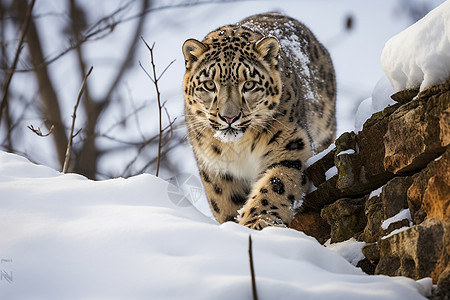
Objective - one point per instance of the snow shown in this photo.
(330, 173)
(395, 232)
(349, 249)
(381, 98)
(66, 237)
(319, 156)
(420, 55)
(403, 214)
(376, 192)
(348, 151)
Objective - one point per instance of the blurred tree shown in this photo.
(79, 30)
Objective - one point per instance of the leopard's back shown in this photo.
(307, 73)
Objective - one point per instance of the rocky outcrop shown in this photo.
(392, 189)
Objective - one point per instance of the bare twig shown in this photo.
(155, 80)
(10, 72)
(39, 132)
(71, 136)
(145, 143)
(252, 270)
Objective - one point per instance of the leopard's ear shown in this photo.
(268, 47)
(192, 49)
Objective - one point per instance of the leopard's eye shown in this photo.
(209, 85)
(249, 85)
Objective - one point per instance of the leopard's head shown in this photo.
(232, 82)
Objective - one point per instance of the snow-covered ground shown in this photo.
(66, 237)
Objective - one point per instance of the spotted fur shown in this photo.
(259, 101)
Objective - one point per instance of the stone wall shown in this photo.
(399, 161)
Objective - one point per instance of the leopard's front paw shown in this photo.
(259, 220)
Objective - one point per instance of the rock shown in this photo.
(374, 214)
(371, 252)
(414, 134)
(313, 225)
(429, 194)
(443, 287)
(355, 176)
(394, 197)
(404, 148)
(346, 218)
(371, 150)
(316, 172)
(442, 270)
(325, 194)
(405, 95)
(414, 253)
(366, 266)
(346, 141)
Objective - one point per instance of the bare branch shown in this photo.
(10, 72)
(145, 71)
(252, 270)
(71, 136)
(39, 132)
(168, 66)
(158, 97)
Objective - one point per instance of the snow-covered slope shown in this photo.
(66, 237)
(420, 55)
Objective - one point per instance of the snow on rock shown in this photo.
(403, 214)
(376, 192)
(395, 232)
(381, 98)
(381, 94)
(419, 56)
(319, 156)
(330, 173)
(348, 151)
(67, 237)
(349, 249)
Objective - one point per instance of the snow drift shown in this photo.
(66, 237)
(420, 55)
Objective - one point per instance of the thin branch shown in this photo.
(252, 270)
(69, 144)
(10, 72)
(39, 132)
(170, 126)
(145, 143)
(168, 66)
(155, 80)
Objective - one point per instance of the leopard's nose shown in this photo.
(229, 120)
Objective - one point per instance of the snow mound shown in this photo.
(349, 249)
(67, 237)
(381, 98)
(420, 55)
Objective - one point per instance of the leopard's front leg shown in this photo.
(226, 194)
(271, 201)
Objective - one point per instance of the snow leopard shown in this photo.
(260, 99)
